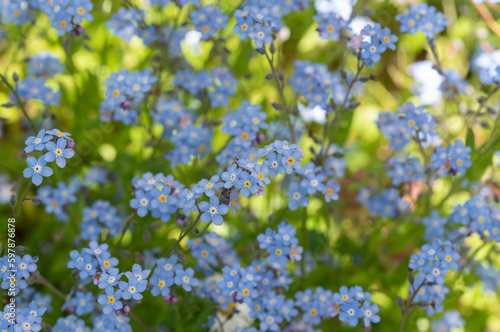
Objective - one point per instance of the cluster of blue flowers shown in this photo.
(65, 16)
(450, 320)
(96, 264)
(260, 286)
(168, 274)
(44, 64)
(388, 203)
(409, 123)
(245, 125)
(98, 216)
(258, 23)
(414, 124)
(110, 309)
(27, 318)
(35, 88)
(158, 194)
(124, 94)
(474, 216)
(380, 41)
(164, 196)
(257, 286)
(41, 67)
(21, 267)
(454, 159)
(57, 151)
(314, 180)
(193, 142)
(210, 250)
(486, 64)
(422, 18)
(130, 22)
(404, 170)
(432, 264)
(331, 25)
(219, 84)
(316, 84)
(56, 199)
(208, 20)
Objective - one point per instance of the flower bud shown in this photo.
(36, 200)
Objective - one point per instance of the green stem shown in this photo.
(329, 134)
(428, 171)
(139, 321)
(439, 68)
(9, 167)
(21, 201)
(304, 238)
(14, 92)
(205, 229)
(183, 235)
(281, 88)
(406, 310)
(41, 280)
(128, 221)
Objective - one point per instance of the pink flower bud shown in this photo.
(260, 191)
(126, 309)
(70, 144)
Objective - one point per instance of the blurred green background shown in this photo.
(348, 246)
